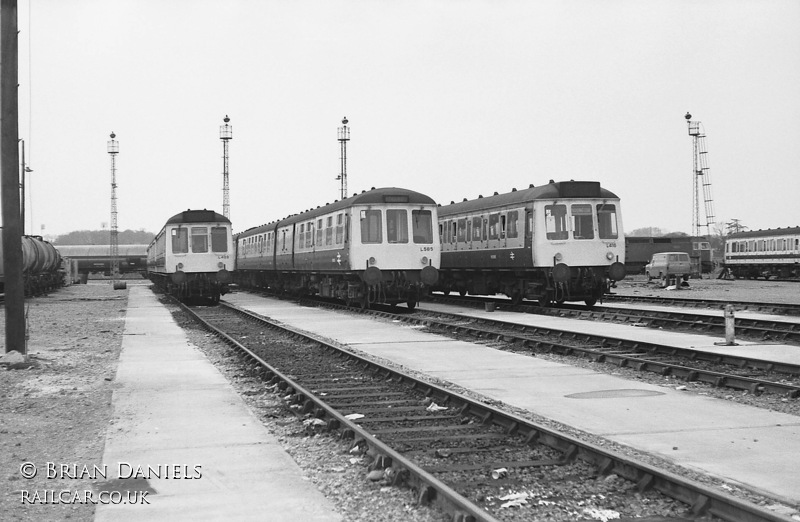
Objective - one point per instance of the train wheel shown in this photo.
(544, 300)
(411, 304)
(516, 298)
(590, 302)
(462, 292)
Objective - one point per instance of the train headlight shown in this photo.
(180, 266)
(609, 255)
(220, 265)
(558, 256)
(424, 260)
(372, 261)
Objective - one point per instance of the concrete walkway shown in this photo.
(176, 417)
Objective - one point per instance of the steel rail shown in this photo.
(701, 498)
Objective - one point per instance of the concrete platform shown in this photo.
(173, 408)
(740, 444)
(763, 350)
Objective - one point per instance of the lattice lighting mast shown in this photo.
(226, 135)
(701, 179)
(344, 137)
(113, 150)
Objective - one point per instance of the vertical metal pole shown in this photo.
(730, 329)
(344, 137)
(225, 134)
(22, 192)
(9, 184)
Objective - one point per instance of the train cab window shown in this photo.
(397, 226)
(607, 221)
(511, 226)
(555, 218)
(422, 226)
(582, 222)
(199, 240)
(180, 241)
(371, 226)
(219, 239)
(476, 228)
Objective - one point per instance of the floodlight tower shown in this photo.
(226, 135)
(344, 137)
(701, 179)
(113, 150)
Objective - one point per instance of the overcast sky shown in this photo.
(449, 98)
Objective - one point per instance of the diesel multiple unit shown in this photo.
(192, 256)
(767, 253)
(380, 246)
(552, 243)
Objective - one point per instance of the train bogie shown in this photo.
(379, 246)
(193, 255)
(558, 242)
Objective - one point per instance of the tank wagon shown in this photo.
(767, 253)
(380, 246)
(554, 243)
(192, 255)
(41, 263)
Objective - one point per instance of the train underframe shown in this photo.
(197, 286)
(362, 288)
(545, 285)
(766, 271)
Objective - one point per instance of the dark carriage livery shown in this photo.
(379, 246)
(553, 243)
(192, 255)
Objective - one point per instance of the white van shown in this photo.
(667, 264)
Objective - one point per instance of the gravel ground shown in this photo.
(59, 408)
(759, 291)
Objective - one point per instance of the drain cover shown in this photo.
(613, 394)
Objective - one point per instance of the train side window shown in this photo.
(339, 228)
(607, 221)
(555, 218)
(329, 230)
(512, 227)
(441, 233)
(422, 226)
(461, 230)
(371, 226)
(396, 226)
(199, 240)
(582, 222)
(219, 239)
(503, 224)
(301, 236)
(180, 241)
(476, 228)
(453, 231)
(319, 232)
(494, 219)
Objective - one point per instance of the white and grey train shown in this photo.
(767, 253)
(192, 256)
(380, 246)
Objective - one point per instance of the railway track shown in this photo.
(729, 371)
(468, 458)
(755, 329)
